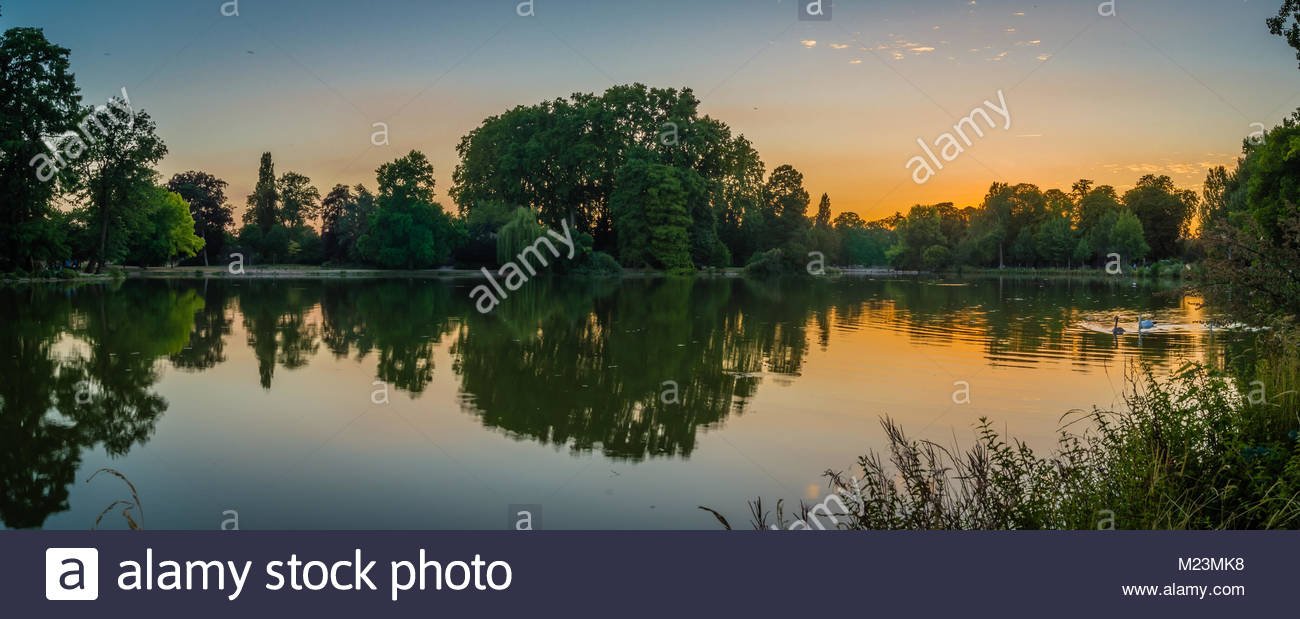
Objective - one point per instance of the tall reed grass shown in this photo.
(1188, 451)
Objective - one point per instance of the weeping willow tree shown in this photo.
(520, 232)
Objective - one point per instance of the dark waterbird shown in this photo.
(1118, 330)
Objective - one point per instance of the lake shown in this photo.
(613, 404)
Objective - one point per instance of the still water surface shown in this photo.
(612, 404)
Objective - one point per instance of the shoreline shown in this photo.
(280, 271)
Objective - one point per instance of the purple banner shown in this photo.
(644, 574)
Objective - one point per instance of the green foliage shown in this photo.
(114, 177)
(345, 218)
(1126, 238)
(1188, 453)
(1287, 24)
(1214, 199)
(1269, 173)
(823, 219)
(559, 159)
(1022, 251)
(1164, 211)
(521, 231)
(720, 256)
(305, 246)
(166, 231)
(595, 264)
(1055, 241)
(408, 230)
(785, 208)
(419, 238)
(39, 98)
(866, 246)
(1252, 241)
(299, 200)
(263, 203)
(269, 246)
(206, 195)
(921, 229)
(782, 261)
(650, 207)
(936, 258)
(1252, 275)
(481, 226)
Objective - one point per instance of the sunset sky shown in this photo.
(1164, 86)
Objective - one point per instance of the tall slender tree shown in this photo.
(263, 203)
(823, 219)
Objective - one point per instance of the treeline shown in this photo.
(1023, 226)
(98, 159)
(642, 179)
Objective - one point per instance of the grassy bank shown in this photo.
(1203, 448)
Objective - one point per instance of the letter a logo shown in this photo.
(71, 574)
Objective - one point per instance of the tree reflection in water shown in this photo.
(633, 368)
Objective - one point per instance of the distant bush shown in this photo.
(788, 260)
(936, 258)
(596, 264)
(720, 256)
(1169, 267)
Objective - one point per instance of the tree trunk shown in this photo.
(103, 229)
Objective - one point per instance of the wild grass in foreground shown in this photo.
(1192, 451)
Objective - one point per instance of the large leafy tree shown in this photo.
(345, 217)
(408, 230)
(1268, 178)
(1253, 241)
(921, 230)
(167, 229)
(1003, 225)
(1287, 24)
(651, 214)
(1164, 210)
(739, 213)
(206, 195)
(115, 177)
(559, 158)
(785, 209)
(332, 208)
(38, 100)
(299, 200)
(1055, 240)
(1214, 199)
